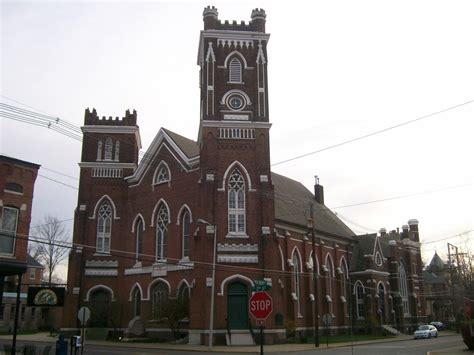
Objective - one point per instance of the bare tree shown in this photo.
(51, 248)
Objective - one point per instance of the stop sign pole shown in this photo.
(260, 307)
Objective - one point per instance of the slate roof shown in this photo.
(188, 146)
(432, 278)
(292, 199)
(436, 264)
(32, 262)
(365, 246)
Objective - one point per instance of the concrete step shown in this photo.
(390, 329)
(239, 337)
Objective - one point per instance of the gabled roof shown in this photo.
(364, 246)
(292, 198)
(32, 262)
(185, 150)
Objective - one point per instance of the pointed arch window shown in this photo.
(235, 71)
(104, 228)
(381, 300)
(183, 296)
(137, 299)
(162, 220)
(329, 282)
(117, 150)
(345, 279)
(99, 150)
(159, 300)
(297, 281)
(402, 279)
(185, 241)
(109, 146)
(359, 293)
(162, 174)
(236, 203)
(139, 240)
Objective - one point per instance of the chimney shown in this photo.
(318, 191)
(413, 225)
(404, 231)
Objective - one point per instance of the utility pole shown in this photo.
(315, 280)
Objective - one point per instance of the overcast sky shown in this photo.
(337, 70)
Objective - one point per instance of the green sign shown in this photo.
(260, 285)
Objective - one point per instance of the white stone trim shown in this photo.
(114, 130)
(155, 281)
(370, 272)
(237, 259)
(101, 272)
(237, 247)
(138, 216)
(234, 277)
(99, 202)
(98, 287)
(232, 165)
(135, 285)
(180, 213)
(102, 263)
(161, 200)
(226, 124)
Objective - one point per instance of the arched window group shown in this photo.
(108, 150)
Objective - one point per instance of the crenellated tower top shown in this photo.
(212, 22)
(91, 118)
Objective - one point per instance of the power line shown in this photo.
(446, 238)
(372, 133)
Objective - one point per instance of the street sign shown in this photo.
(260, 285)
(260, 305)
(84, 314)
(260, 322)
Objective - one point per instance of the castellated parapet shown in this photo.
(91, 118)
(212, 22)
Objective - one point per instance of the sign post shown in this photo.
(327, 319)
(260, 307)
(83, 315)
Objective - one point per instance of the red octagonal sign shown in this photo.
(260, 305)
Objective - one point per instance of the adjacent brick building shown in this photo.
(144, 231)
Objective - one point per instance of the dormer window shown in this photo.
(162, 174)
(235, 71)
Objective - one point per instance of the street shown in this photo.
(446, 342)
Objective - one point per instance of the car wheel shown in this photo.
(429, 335)
(436, 335)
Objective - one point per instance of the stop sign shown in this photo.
(260, 305)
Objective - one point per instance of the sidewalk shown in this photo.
(45, 338)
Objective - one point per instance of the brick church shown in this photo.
(147, 232)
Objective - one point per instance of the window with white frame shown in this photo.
(297, 280)
(345, 278)
(162, 220)
(117, 150)
(137, 300)
(185, 230)
(139, 239)
(236, 203)
(99, 151)
(162, 174)
(235, 71)
(32, 274)
(104, 227)
(8, 225)
(109, 146)
(402, 279)
(329, 282)
(359, 293)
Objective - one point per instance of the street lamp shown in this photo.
(211, 316)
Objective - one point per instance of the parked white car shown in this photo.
(425, 331)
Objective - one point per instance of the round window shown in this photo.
(235, 102)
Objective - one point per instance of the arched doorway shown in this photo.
(137, 299)
(237, 305)
(100, 308)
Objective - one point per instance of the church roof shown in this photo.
(432, 278)
(188, 146)
(292, 201)
(436, 264)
